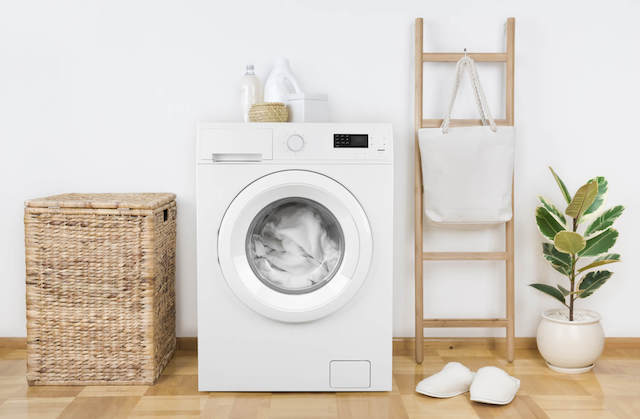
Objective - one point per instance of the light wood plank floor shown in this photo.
(612, 390)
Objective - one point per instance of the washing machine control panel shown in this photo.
(333, 142)
(310, 142)
(359, 142)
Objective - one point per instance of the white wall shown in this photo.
(103, 96)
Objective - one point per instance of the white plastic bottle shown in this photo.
(250, 91)
(281, 82)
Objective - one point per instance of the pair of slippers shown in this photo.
(488, 385)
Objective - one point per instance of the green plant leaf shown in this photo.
(553, 210)
(600, 243)
(548, 289)
(569, 242)
(603, 186)
(605, 220)
(608, 256)
(547, 223)
(561, 262)
(563, 290)
(597, 263)
(592, 281)
(561, 185)
(582, 200)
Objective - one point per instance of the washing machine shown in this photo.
(295, 256)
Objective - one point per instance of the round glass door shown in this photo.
(294, 246)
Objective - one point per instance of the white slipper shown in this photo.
(494, 386)
(452, 380)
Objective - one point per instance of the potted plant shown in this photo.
(569, 339)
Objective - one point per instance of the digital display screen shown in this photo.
(350, 140)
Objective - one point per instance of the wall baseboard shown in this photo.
(406, 346)
(187, 343)
(401, 346)
(13, 343)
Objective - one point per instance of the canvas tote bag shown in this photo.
(467, 171)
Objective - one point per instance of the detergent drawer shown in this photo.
(235, 144)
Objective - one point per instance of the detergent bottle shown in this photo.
(280, 83)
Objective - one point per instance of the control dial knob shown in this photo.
(295, 143)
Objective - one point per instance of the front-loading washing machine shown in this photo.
(295, 256)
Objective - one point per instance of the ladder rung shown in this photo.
(499, 57)
(437, 123)
(465, 322)
(464, 256)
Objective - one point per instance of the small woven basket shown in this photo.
(269, 112)
(100, 288)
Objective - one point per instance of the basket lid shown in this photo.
(103, 200)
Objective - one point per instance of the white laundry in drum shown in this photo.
(295, 245)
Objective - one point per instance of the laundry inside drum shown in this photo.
(295, 245)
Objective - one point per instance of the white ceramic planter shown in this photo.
(570, 347)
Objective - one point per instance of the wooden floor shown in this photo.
(612, 390)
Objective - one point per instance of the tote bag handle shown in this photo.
(481, 101)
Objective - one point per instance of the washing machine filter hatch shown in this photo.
(295, 245)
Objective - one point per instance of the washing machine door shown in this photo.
(295, 246)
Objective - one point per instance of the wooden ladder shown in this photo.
(508, 322)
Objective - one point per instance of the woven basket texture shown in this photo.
(269, 112)
(100, 276)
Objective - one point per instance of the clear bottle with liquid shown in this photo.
(250, 91)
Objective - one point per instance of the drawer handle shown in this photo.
(236, 156)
